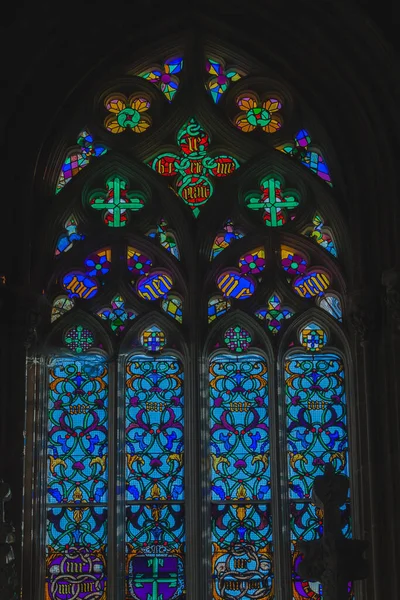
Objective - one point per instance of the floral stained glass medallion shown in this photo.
(165, 76)
(127, 113)
(193, 168)
(253, 261)
(293, 261)
(256, 113)
(98, 263)
(116, 202)
(220, 77)
(138, 263)
(78, 158)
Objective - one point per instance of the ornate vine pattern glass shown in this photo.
(154, 473)
(77, 477)
(316, 418)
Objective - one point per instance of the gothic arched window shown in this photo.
(190, 378)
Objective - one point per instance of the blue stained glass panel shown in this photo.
(316, 419)
(154, 428)
(239, 427)
(77, 430)
(155, 552)
(242, 552)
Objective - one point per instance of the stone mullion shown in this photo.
(364, 320)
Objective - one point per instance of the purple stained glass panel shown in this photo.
(155, 545)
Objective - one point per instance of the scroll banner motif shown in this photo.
(155, 285)
(76, 573)
(193, 168)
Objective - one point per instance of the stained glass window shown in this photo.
(233, 306)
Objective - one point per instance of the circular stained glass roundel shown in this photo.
(237, 339)
(79, 339)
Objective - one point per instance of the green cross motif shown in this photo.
(154, 579)
(116, 201)
(273, 201)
